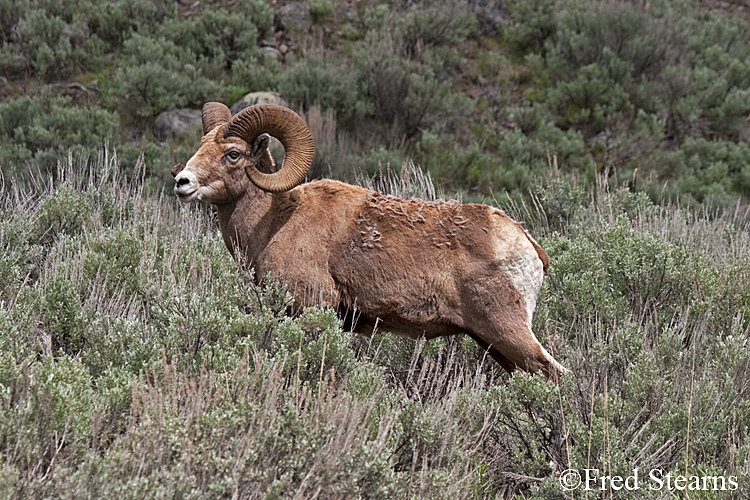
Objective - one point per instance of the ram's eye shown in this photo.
(233, 155)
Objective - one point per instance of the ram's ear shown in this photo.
(262, 154)
(263, 141)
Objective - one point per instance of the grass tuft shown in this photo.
(137, 359)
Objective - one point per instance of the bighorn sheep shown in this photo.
(412, 267)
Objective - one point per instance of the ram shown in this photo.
(412, 267)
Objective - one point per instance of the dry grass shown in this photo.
(138, 360)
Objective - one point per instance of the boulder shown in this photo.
(269, 52)
(177, 123)
(256, 98)
(294, 16)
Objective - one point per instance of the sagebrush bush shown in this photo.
(140, 355)
(534, 24)
(615, 273)
(318, 80)
(35, 130)
(219, 38)
(156, 74)
(402, 97)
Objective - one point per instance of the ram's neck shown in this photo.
(249, 223)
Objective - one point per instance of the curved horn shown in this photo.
(289, 129)
(214, 114)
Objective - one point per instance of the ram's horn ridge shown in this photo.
(290, 130)
(214, 114)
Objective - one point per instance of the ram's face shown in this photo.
(216, 172)
(234, 152)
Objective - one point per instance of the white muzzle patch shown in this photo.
(186, 186)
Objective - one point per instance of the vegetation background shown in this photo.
(137, 360)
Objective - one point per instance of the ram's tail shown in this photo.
(543, 256)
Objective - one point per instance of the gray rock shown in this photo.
(294, 16)
(256, 98)
(490, 14)
(270, 53)
(177, 123)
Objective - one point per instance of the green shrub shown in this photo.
(115, 260)
(10, 13)
(62, 316)
(116, 21)
(321, 9)
(713, 87)
(534, 24)
(312, 346)
(40, 128)
(511, 161)
(50, 40)
(628, 42)
(468, 168)
(217, 39)
(431, 31)
(156, 74)
(323, 82)
(22, 253)
(64, 212)
(43, 46)
(591, 102)
(377, 160)
(615, 273)
(250, 76)
(707, 170)
(401, 97)
(115, 344)
(169, 62)
(47, 412)
(580, 284)
(258, 12)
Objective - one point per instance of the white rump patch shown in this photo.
(526, 272)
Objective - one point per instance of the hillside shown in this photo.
(138, 360)
(481, 94)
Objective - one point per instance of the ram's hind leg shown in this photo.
(501, 323)
(520, 350)
(494, 353)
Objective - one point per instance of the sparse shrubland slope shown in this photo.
(480, 93)
(137, 360)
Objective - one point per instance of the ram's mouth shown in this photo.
(186, 196)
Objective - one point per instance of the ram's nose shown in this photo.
(177, 169)
(185, 186)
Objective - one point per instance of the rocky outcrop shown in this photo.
(176, 123)
(256, 98)
(294, 16)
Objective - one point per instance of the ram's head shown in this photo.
(234, 151)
